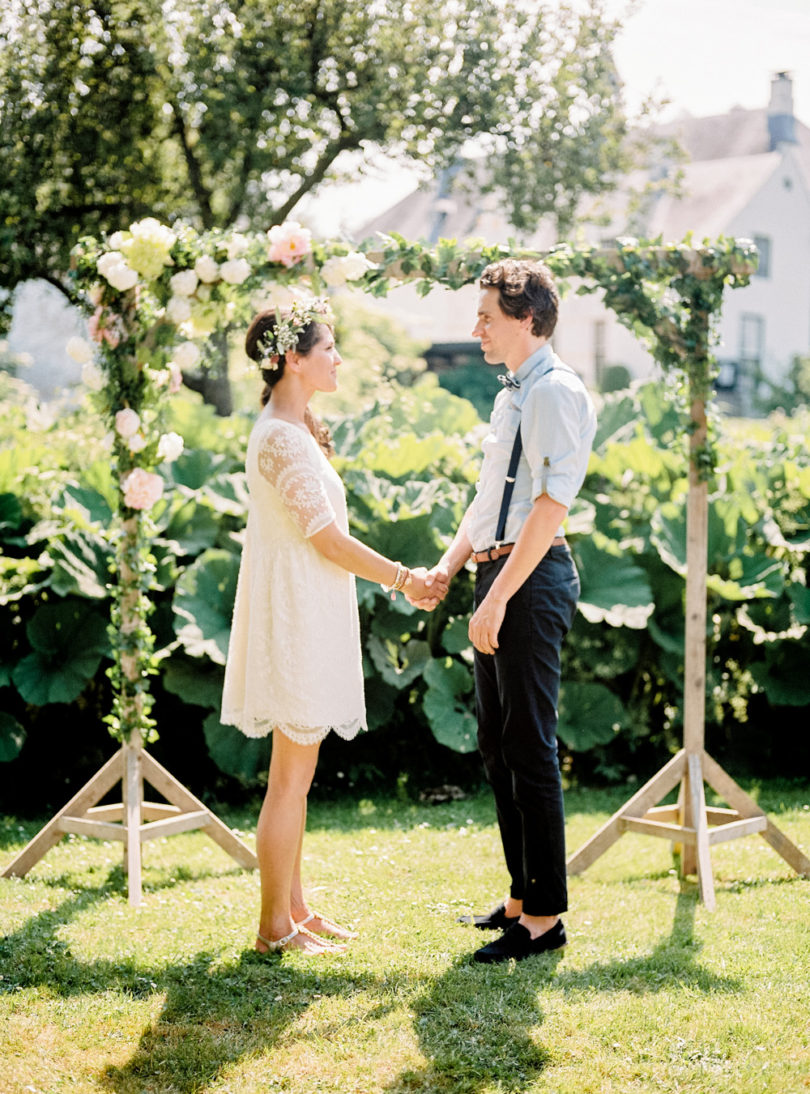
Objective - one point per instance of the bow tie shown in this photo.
(509, 382)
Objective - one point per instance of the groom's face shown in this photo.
(496, 330)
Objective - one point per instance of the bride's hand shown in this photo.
(425, 589)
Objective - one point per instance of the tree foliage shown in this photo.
(230, 111)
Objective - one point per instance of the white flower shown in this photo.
(107, 260)
(186, 355)
(95, 294)
(235, 271)
(137, 443)
(207, 269)
(92, 376)
(178, 310)
(355, 265)
(183, 283)
(237, 245)
(115, 240)
(127, 422)
(170, 446)
(339, 269)
(113, 266)
(333, 272)
(79, 350)
(147, 247)
(203, 293)
(275, 295)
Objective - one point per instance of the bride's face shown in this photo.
(319, 366)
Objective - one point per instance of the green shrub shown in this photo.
(409, 462)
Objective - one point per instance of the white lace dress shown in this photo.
(294, 660)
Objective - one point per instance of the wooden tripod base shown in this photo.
(133, 820)
(690, 823)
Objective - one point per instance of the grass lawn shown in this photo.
(652, 994)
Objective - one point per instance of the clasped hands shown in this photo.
(429, 588)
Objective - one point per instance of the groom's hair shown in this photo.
(525, 287)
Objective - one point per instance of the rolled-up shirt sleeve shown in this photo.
(557, 426)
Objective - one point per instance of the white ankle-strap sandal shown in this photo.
(346, 936)
(274, 944)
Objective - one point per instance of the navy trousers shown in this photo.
(516, 691)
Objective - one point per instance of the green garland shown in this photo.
(154, 296)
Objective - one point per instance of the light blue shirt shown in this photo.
(558, 422)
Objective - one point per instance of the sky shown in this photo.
(704, 56)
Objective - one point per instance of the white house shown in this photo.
(747, 175)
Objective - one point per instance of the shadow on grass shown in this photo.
(474, 1025)
(214, 1013)
(215, 1016)
(672, 964)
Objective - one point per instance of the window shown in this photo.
(763, 245)
(752, 340)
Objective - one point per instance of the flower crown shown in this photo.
(289, 327)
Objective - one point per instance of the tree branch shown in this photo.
(201, 191)
(316, 176)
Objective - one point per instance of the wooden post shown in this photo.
(687, 824)
(133, 820)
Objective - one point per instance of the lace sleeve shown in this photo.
(285, 460)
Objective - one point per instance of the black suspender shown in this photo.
(508, 487)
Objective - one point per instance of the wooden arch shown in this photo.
(669, 294)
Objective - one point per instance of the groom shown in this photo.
(535, 459)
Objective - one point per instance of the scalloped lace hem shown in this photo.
(301, 734)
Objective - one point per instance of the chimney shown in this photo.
(781, 123)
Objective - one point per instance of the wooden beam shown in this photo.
(48, 836)
(183, 822)
(176, 793)
(728, 789)
(656, 788)
(81, 826)
(704, 861)
(658, 828)
(735, 829)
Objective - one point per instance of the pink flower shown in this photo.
(141, 489)
(127, 422)
(100, 332)
(289, 243)
(175, 378)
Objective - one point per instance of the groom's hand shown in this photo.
(435, 584)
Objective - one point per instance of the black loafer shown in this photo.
(496, 920)
(517, 943)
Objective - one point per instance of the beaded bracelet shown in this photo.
(401, 578)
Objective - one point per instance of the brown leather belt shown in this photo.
(494, 553)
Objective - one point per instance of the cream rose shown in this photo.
(170, 446)
(183, 283)
(178, 310)
(235, 271)
(141, 489)
(127, 423)
(207, 269)
(92, 376)
(79, 350)
(186, 355)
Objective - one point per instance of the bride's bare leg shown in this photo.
(278, 838)
(300, 909)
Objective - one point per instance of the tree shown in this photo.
(227, 112)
